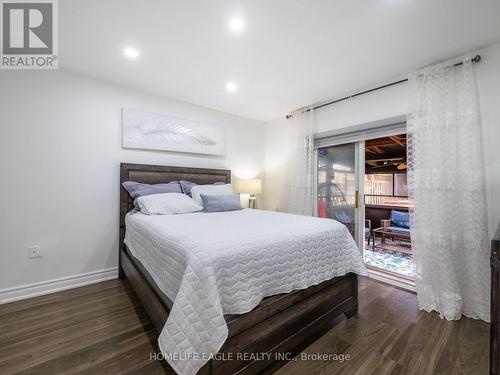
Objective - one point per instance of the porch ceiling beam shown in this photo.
(398, 141)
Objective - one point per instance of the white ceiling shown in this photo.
(292, 53)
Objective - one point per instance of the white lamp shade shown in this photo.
(252, 186)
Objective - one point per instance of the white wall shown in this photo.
(387, 103)
(60, 150)
(278, 140)
(382, 104)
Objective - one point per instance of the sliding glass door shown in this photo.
(338, 186)
(367, 166)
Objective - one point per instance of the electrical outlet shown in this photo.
(34, 252)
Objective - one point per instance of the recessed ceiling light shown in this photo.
(131, 52)
(236, 24)
(231, 87)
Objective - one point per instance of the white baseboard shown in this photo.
(393, 280)
(56, 285)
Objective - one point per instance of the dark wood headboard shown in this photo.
(155, 174)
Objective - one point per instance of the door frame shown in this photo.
(360, 195)
(358, 134)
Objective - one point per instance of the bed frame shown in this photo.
(282, 325)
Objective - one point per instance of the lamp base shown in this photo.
(252, 202)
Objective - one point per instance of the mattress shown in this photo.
(211, 264)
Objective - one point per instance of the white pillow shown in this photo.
(197, 190)
(167, 204)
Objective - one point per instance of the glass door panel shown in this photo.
(337, 186)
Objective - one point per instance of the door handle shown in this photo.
(356, 199)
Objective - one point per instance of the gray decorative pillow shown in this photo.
(219, 203)
(186, 186)
(136, 189)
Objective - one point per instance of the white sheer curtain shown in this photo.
(301, 194)
(447, 185)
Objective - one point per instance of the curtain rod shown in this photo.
(475, 59)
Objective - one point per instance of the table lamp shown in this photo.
(252, 187)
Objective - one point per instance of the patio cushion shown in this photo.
(343, 217)
(400, 219)
(399, 229)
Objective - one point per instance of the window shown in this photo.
(386, 189)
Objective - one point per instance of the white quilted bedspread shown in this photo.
(211, 264)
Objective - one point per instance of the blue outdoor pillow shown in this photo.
(219, 203)
(400, 219)
(343, 217)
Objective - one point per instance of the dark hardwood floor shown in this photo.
(102, 329)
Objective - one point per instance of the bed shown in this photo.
(234, 292)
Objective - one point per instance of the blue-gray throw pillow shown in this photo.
(219, 203)
(400, 219)
(137, 189)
